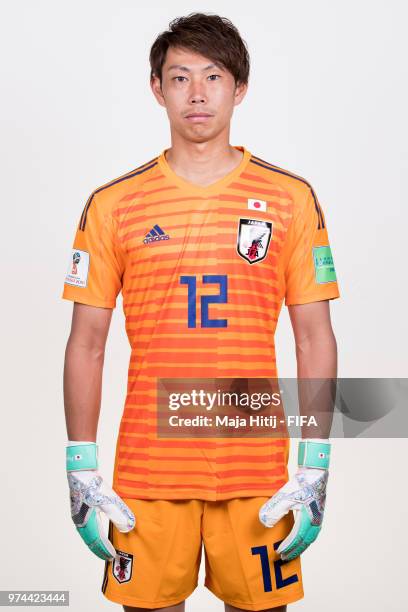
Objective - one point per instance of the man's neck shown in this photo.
(202, 163)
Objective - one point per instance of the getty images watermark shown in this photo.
(286, 407)
(219, 400)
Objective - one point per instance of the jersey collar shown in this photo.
(209, 189)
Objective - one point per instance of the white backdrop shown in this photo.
(328, 101)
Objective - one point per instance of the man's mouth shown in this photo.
(198, 117)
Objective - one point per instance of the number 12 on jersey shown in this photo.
(221, 298)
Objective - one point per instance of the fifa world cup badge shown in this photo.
(77, 273)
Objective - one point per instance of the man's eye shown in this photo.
(179, 79)
(214, 77)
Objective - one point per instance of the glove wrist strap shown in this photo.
(314, 454)
(82, 457)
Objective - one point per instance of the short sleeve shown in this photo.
(96, 263)
(310, 275)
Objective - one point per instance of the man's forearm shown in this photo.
(317, 373)
(82, 389)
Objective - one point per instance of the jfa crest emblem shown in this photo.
(122, 566)
(253, 240)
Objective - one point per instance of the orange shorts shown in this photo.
(158, 561)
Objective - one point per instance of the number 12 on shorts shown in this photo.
(281, 582)
(221, 298)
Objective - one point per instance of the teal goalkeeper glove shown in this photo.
(89, 496)
(305, 493)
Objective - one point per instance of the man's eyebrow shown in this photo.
(185, 69)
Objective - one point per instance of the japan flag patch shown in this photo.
(256, 204)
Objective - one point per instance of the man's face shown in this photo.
(199, 95)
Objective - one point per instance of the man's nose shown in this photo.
(197, 99)
(197, 95)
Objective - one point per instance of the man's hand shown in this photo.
(89, 496)
(305, 493)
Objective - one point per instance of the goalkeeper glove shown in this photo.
(90, 495)
(305, 493)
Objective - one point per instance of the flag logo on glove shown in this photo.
(90, 496)
(305, 495)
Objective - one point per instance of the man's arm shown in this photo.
(316, 348)
(89, 493)
(305, 492)
(316, 354)
(84, 357)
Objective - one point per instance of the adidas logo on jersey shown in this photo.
(156, 234)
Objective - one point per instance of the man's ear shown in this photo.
(157, 90)
(239, 94)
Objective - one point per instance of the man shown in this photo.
(205, 242)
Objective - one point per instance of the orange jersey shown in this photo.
(203, 273)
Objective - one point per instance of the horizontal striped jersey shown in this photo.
(203, 273)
